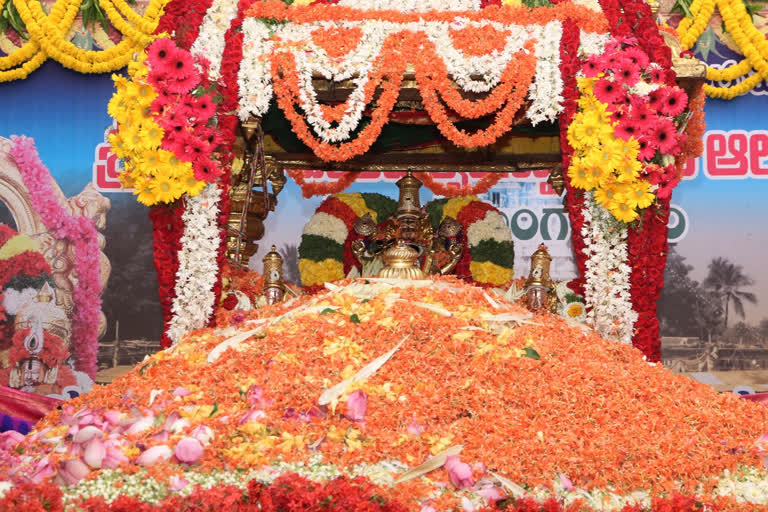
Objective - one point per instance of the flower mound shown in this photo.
(376, 377)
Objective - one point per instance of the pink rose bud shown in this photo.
(188, 450)
(113, 417)
(491, 494)
(85, 434)
(95, 453)
(154, 454)
(180, 391)
(357, 403)
(72, 471)
(113, 457)
(459, 472)
(10, 439)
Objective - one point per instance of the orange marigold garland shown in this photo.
(481, 187)
(322, 189)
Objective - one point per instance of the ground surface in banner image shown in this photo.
(373, 378)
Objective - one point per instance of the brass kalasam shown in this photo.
(401, 262)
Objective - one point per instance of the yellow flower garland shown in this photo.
(749, 39)
(357, 204)
(48, 37)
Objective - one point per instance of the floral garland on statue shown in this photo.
(81, 232)
(325, 252)
(320, 188)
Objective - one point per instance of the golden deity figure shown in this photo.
(405, 245)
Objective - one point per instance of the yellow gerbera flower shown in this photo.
(151, 133)
(629, 148)
(608, 195)
(605, 156)
(590, 130)
(192, 186)
(117, 144)
(628, 170)
(166, 189)
(580, 175)
(145, 193)
(143, 93)
(640, 195)
(623, 212)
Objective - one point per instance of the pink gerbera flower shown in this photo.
(198, 148)
(160, 53)
(640, 112)
(627, 73)
(203, 108)
(647, 151)
(675, 102)
(657, 98)
(617, 113)
(637, 56)
(608, 92)
(181, 66)
(657, 75)
(627, 128)
(663, 135)
(206, 170)
(592, 67)
(182, 86)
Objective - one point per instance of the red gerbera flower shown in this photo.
(641, 113)
(617, 113)
(675, 102)
(198, 148)
(657, 75)
(663, 135)
(206, 170)
(637, 56)
(203, 108)
(647, 151)
(592, 67)
(608, 92)
(627, 128)
(181, 66)
(657, 98)
(160, 53)
(627, 73)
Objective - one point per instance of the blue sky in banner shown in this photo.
(65, 112)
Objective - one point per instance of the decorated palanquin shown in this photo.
(241, 93)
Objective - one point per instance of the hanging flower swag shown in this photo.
(325, 253)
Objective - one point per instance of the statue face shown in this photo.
(32, 372)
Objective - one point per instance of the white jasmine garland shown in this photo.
(194, 300)
(324, 224)
(210, 40)
(546, 90)
(478, 74)
(491, 227)
(606, 290)
(592, 43)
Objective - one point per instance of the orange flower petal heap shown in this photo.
(465, 374)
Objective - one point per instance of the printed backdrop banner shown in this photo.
(66, 113)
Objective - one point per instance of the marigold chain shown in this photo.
(48, 37)
(750, 40)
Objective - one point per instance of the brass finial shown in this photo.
(273, 276)
(540, 263)
(408, 204)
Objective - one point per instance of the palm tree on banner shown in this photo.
(727, 280)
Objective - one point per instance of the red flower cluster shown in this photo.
(183, 18)
(633, 18)
(647, 247)
(184, 107)
(569, 66)
(167, 230)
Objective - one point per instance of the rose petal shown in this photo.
(151, 456)
(94, 453)
(188, 450)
